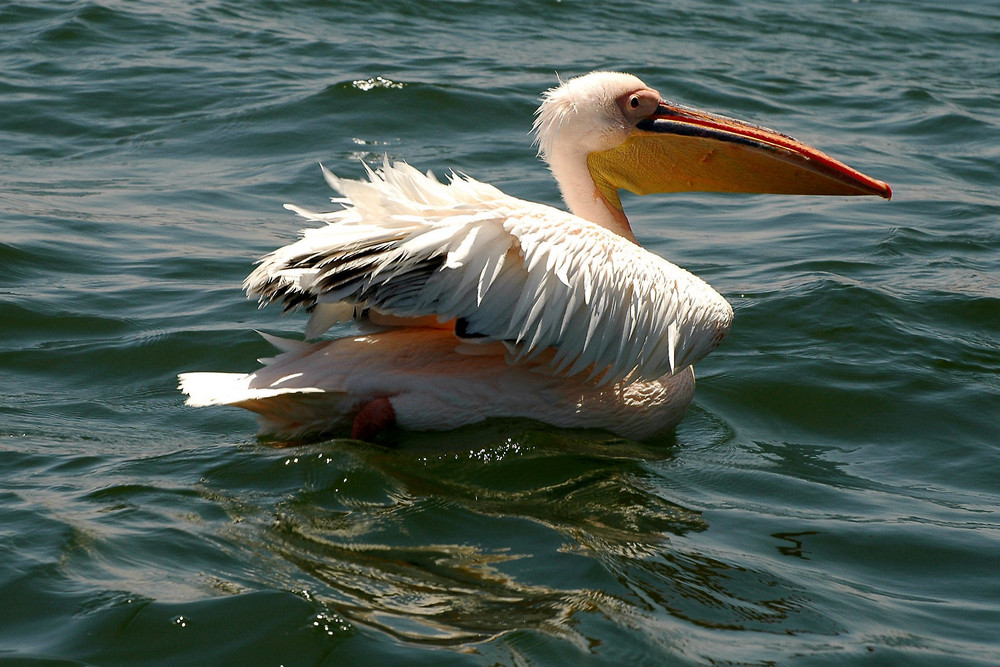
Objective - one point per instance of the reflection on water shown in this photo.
(459, 538)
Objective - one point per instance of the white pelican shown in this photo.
(475, 304)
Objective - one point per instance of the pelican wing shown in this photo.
(530, 275)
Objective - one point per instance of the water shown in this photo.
(830, 498)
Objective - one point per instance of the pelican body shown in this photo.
(474, 304)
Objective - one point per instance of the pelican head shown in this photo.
(607, 131)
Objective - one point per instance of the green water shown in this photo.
(831, 497)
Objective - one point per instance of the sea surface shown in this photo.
(831, 497)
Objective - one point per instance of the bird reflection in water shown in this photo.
(460, 540)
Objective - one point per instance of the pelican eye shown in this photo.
(634, 101)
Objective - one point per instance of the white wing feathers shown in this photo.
(535, 277)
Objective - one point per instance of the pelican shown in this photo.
(474, 304)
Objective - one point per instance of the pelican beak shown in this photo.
(680, 149)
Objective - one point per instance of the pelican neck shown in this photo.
(583, 197)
